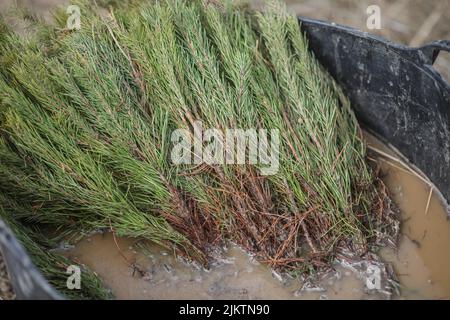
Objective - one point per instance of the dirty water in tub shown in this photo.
(421, 263)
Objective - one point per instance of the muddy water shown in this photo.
(236, 277)
(421, 263)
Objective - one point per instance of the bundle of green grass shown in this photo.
(86, 118)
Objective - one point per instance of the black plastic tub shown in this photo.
(396, 93)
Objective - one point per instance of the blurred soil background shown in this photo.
(410, 22)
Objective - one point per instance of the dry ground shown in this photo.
(5, 287)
